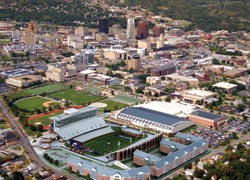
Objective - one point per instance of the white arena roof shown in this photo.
(173, 107)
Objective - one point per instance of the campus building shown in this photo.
(24, 81)
(142, 30)
(207, 118)
(151, 119)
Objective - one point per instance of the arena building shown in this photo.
(151, 119)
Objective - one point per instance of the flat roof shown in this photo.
(152, 115)
(207, 115)
(225, 85)
(146, 156)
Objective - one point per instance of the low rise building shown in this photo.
(194, 96)
(207, 119)
(225, 86)
(24, 81)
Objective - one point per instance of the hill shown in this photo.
(232, 15)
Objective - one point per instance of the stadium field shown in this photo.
(76, 97)
(108, 143)
(112, 105)
(31, 104)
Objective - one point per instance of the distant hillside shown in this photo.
(62, 12)
(232, 15)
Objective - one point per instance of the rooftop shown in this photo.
(207, 115)
(152, 115)
(225, 85)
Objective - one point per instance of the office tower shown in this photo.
(28, 38)
(157, 31)
(142, 30)
(131, 28)
(104, 25)
(134, 63)
(160, 42)
(32, 27)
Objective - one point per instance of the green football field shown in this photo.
(76, 97)
(32, 103)
(108, 143)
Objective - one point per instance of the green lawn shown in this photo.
(48, 89)
(126, 99)
(76, 97)
(108, 143)
(3, 125)
(112, 105)
(39, 90)
(45, 119)
(4, 42)
(32, 103)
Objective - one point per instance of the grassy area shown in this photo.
(45, 119)
(3, 42)
(31, 104)
(189, 129)
(108, 143)
(48, 89)
(112, 105)
(76, 97)
(39, 90)
(126, 99)
(92, 89)
(115, 167)
(3, 125)
(117, 87)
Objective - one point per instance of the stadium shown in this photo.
(89, 134)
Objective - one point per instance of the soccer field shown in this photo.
(48, 88)
(108, 143)
(32, 103)
(39, 90)
(76, 97)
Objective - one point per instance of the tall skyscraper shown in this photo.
(131, 28)
(142, 30)
(157, 31)
(104, 25)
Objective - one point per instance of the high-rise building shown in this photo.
(157, 31)
(131, 28)
(104, 25)
(82, 31)
(142, 30)
(134, 63)
(28, 37)
(32, 27)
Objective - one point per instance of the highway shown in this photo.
(24, 141)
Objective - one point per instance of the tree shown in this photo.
(234, 135)
(198, 173)
(66, 104)
(88, 177)
(188, 166)
(17, 175)
(240, 107)
(139, 90)
(168, 99)
(56, 162)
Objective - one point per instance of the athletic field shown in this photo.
(32, 103)
(108, 143)
(126, 99)
(76, 97)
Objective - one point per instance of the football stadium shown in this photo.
(89, 134)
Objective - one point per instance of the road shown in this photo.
(212, 153)
(25, 142)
